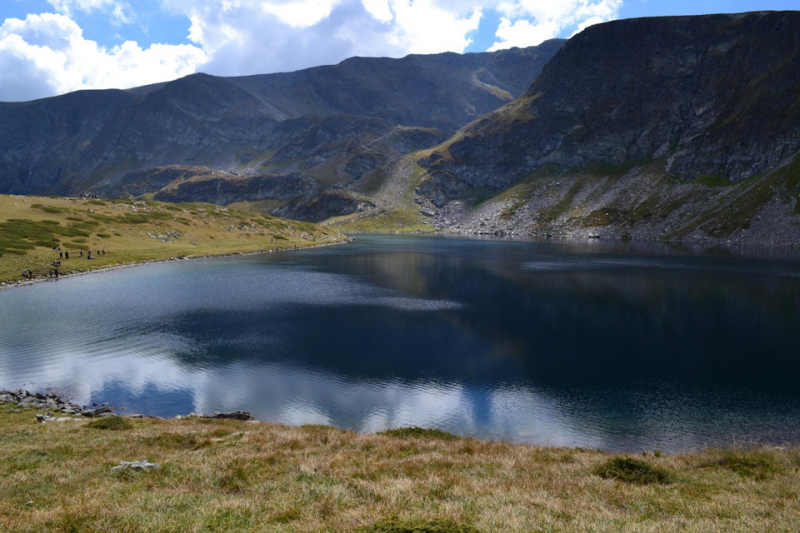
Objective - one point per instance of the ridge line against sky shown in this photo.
(51, 47)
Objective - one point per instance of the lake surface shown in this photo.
(601, 345)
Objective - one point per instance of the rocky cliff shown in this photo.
(295, 196)
(648, 116)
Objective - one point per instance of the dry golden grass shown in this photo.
(132, 232)
(223, 475)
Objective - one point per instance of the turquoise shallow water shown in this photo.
(601, 345)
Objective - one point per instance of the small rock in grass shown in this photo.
(236, 415)
(95, 413)
(137, 465)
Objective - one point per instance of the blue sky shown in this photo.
(50, 47)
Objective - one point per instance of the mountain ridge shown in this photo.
(212, 121)
(682, 128)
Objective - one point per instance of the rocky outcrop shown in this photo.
(328, 204)
(51, 401)
(712, 95)
(298, 196)
(682, 128)
(148, 180)
(223, 191)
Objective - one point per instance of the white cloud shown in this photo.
(254, 36)
(242, 37)
(300, 13)
(120, 11)
(66, 6)
(47, 54)
(379, 9)
(586, 23)
(422, 27)
(522, 33)
(530, 22)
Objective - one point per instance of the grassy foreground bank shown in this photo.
(225, 475)
(134, 231)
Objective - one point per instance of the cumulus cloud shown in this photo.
(254, 36)
(47, 54)
(586, 23)
(530, 22)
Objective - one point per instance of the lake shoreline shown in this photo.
(12, 285)
(708, 247)
(54, 407)
(184, 474)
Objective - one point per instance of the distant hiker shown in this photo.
(104, 251)
(81, 253)
(66, 255)
(56, 273)
(61, 255)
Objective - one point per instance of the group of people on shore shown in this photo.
(53, 272)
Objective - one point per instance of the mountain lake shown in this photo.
(609, 345)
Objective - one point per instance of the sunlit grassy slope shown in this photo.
(133, 231)
(220, 475)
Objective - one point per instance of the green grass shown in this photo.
(633, 471)
(115, 423)
(129, 231)
(396, 525)
(50, 209)
(400, 219)
(228, 475)
(755, 464)
(418, 432)
(17, 236)
(712, 180)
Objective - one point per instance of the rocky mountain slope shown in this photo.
(664, 127)
(322, 121)
(683, 128)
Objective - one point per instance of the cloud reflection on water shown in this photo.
(457, 335)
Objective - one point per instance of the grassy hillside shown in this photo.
(638, 199)
(222, 475)
(128, 231)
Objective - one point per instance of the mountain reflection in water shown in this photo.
(623, 347)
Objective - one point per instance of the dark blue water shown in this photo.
(596, 345)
